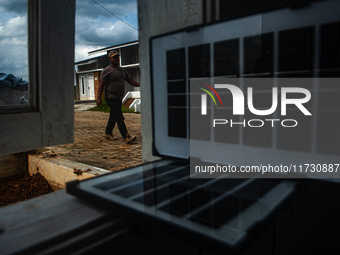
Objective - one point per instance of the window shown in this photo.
(226, 58)
(282, 44)
(14, 76)
(259, 55)
(330, 50)
(296, 52)
(199, 61)
(177, 117)
(82, 85)
(49, 119)
(129, 55)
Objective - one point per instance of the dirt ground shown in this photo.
(19, 188)
(89, 147)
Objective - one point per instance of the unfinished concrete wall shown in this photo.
(13, 164)
(59, 171)
(166, 16)
(155, 18)
(49, 119)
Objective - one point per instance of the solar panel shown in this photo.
(224, 213)
(221, 212)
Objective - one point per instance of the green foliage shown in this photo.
(127, 110)
(104, 107)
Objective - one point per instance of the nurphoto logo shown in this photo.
(238, 104)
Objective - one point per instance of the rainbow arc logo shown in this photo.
(240, 100)
(204, 97)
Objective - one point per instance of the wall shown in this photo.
(47, 122)
(158, 17)
(134, 73)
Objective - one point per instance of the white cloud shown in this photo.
(95, 28)
(14, 32)
(81, 51)
(17, 26)
(13, 46)
(99, 33)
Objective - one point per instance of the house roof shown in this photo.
(86, 61)
(104, 50)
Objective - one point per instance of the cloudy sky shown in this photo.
(99, 24)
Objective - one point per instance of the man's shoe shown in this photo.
(129, 139)
(110, 137)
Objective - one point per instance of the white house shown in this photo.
(87, 72)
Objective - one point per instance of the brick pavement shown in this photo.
(90, 146)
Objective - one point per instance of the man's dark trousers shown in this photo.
(116, 115)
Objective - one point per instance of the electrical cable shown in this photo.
(115, 15)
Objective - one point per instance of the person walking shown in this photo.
(112, 79)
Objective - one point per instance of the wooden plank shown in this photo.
(38, 220)
(13, 164)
